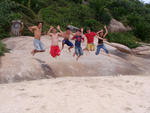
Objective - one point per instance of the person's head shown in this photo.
(78, 32)
(68, 31)
(40, 24)
(54, 30)
(101, 33)
(88, 30)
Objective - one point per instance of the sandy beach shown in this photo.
(118, 94)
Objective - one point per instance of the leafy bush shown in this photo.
(126, 38)
(2, 49)
(141, 28)
(6, 16)
(93, 24)
(102, 14)
(63, 12)
(74, 14)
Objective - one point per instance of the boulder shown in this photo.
(20, 65)
(120, 47)
(116, 26)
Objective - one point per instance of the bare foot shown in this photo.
(69, 49)
(74, 55)
(33, 52)
(77, 58)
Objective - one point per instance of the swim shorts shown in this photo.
(90, 47)
(68, 43)
(55, 51)
(38, 45)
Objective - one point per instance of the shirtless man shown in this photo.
(66, 40)
(54, 48)
(37, 30)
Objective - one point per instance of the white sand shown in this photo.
(120, 94)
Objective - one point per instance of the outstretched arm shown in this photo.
(32, 28)
(82, 33)
(99, 37)
(106, 31)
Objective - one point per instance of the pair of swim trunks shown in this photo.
(68, 43)
(78, 51)
(55, 51)
(90, 47)
(38, 45)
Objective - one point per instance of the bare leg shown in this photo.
(36, 51)
(62, 46)
(78, 57)
(70, 49)
(85, 49)
(74, 54)
(33, 52)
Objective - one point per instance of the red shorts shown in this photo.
(54, 51)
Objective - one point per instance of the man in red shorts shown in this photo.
(54, 49)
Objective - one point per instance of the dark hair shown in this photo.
(68, 28)
(88, 28)
(78, 30)
(39, 23)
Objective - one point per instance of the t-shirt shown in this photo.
(78, 40)
(100, 41)
(90, 37)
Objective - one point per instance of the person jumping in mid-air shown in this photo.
(54, 48)
(37, 30)
(90, 40)
(78, 37)
(101, 38)
(66, 40)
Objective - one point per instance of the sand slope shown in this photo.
(78, 95)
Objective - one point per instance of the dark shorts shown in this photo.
(78, 51)
(68, 43)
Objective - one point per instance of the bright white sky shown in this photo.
(146, 1)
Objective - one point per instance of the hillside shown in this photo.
(80, 13)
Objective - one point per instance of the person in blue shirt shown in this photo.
(79, 38)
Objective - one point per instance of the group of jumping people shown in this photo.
(78, 37)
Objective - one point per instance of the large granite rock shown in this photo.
(19, 64)
(116, 26)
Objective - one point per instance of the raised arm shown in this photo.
(82, 32)
(32, 28)
(106, 31)
(49, 31)
(99, 32)
(59, 29)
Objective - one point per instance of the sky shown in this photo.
(146, 1)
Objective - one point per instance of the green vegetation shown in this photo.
(127, 39)
(2, 49)
(94, 13)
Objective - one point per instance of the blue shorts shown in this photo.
(78, 51)
(68, 43)
(38, 45)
